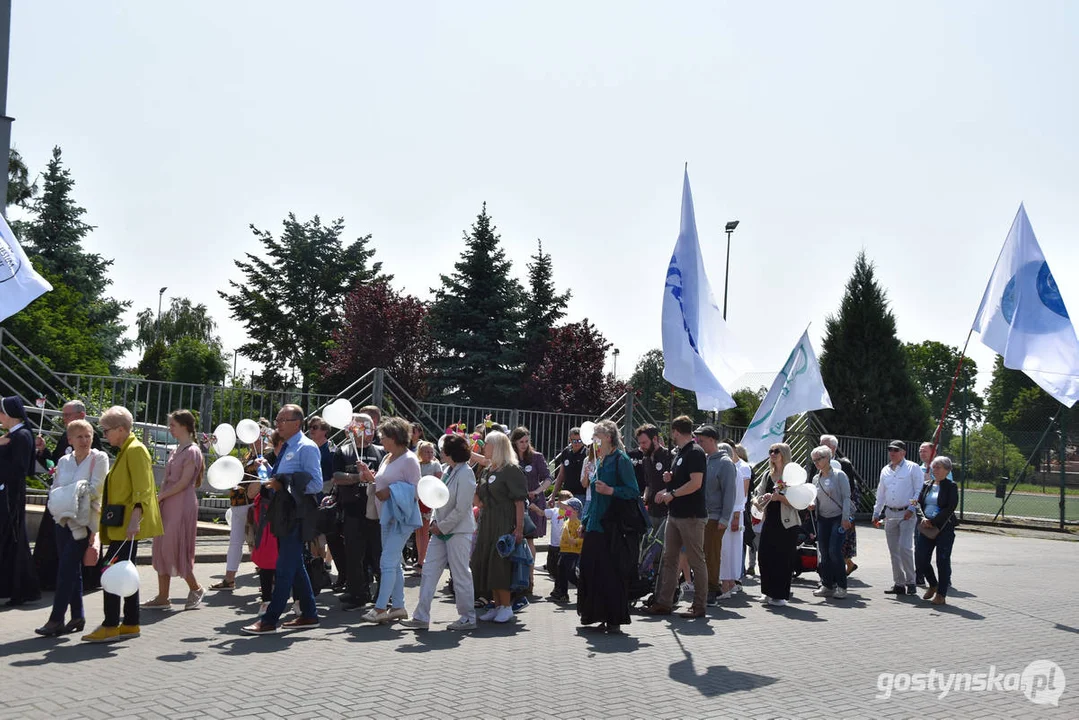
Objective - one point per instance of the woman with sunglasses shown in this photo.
(833, 508)
(779, 530)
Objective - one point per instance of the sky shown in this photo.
(911, 130)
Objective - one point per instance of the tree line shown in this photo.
(319, 312)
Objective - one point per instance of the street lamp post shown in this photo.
(614, 370)
(727, 272)
(157, 325)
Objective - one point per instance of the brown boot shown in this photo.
(938, 600)
(930, 593)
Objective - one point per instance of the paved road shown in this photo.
(1015, 604)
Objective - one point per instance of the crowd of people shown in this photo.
(305, 504)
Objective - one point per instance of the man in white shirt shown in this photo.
(897, 497)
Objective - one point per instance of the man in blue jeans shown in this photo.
(299, 462)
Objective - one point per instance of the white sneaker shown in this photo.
(194, 599)
(777, 603)
(374, 616)
(414, 624)
(489, 615)
(840, 593)
(397, 614)
(823, 592)
(504, 614)
(725, 596)
(462, 624)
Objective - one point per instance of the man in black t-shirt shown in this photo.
(351, 546)
(650, 461)
(684, 498)
(570, 461)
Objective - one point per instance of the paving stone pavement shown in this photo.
(1014, 603)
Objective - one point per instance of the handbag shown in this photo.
(111, 515)
(930, 532)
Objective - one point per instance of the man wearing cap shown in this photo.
(720, 477)
(684, 498)
(897, 500)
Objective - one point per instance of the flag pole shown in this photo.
(948, 401)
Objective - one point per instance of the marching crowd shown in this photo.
(657, 522)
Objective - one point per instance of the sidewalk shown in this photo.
(1013, 604)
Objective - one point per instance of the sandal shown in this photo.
(224, 585)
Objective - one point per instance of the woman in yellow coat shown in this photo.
(130, 491)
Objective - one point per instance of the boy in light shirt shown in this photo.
(556, 517)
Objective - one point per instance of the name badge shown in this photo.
(289, 456)
(528, 468)
(565, 463)
(678, 461)
(659, 466)
(827, 482)
(491, 479)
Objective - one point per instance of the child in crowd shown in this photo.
(425, 451)
(569, 549)
(556, 517)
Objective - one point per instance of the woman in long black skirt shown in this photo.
(779, 530)
(606, 567)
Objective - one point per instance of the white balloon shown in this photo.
(433, 492)
(801, 496)
(588, 430)
(793, 475)
(247, 431)
(225, 439)
(121, 579)
(225, 473)
(338, 413)
(228, 518)
(756, 512)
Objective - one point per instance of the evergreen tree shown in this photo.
(542, 309)
(20, 191)
(476, 323)
(865, 368)
(290, 299)
(53, 239)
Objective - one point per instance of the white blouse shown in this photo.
(69, 472)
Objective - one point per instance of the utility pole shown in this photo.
(5, 121)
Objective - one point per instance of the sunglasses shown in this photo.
(773, 452)
(576, 442)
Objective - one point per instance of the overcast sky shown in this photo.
(912, 130)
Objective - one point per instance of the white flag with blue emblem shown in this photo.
(1022, 316)
(698, 353)
(19, 282)
(798, 388)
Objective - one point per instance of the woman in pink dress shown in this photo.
(174, 552)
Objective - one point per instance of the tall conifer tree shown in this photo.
(476, 324)
(865, 368)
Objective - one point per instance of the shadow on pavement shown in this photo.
(958, 611)
(611, 644)
(426, 641)
(795, 613)
(717, 679)
(67, 649)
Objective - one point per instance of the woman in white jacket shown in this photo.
(75, 505)
(452, 526)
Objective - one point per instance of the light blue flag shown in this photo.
(798, 388)
(698, 353)
(1022, 316)
(19, 282)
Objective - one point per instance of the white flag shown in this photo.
(797, 388)
(698, 353)
(1022, 316)
(19, 282)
